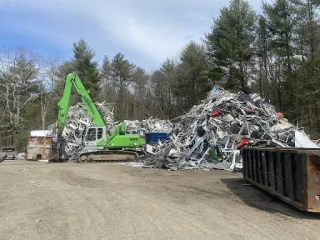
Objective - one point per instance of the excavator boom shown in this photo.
(64, 103)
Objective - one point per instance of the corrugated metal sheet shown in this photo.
(291, 174)
(38, 148)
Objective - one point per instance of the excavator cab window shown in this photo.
(100, 133)
(91, 134)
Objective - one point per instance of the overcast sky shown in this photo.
(145, 31)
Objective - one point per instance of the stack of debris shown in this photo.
(78, 120)
(156, 125)
(211, 134)
(148, 125)
(133, 127)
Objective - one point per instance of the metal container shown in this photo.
(291, 174)
(154, 137)
(39, 148)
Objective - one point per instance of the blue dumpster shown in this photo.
(154, 137)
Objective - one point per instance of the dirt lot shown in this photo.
(112, 201)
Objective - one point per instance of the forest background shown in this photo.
(275, 54)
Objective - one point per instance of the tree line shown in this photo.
(276, 54)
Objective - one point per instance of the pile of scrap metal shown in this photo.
(155, 125)
(211, 134)
(148, 126)
(78, 120)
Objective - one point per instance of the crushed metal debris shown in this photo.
(209, 136)
(78, 120)
(212, 133)
(148, 125)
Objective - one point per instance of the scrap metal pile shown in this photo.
(211, 134)
(148, 126)
(78, 120)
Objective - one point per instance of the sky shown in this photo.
(145, 31)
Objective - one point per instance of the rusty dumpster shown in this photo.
(291, 174)
(39, 148)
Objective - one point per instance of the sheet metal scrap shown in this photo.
(211, 133)
(156, 125)
(77, 120)
(148, 125)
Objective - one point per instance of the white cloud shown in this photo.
(148, 37)
(148, 31)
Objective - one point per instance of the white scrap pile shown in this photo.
(156, 125)
(77, 120)
(211, 133)
(148, 125)
(133, 127)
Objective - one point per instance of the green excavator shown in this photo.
(99, 144)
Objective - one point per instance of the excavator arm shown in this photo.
(64, 103)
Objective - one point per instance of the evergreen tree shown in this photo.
(195, 60)
(108, 88)
(191, 83)
(139, 79)
(86, 67)
(308, 28)
(282, 21)
(230, 43)
(122, 74)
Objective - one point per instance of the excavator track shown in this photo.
(109, 156)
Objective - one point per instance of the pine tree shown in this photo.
(191, 81)
(282, 21)
(108, 89)
(86, 67)
(122, 74)
(308, 28)
(230, 43)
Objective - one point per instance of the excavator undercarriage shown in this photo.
(109, 155)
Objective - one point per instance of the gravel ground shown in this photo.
(112, 201)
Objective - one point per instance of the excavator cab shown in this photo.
(95, 137)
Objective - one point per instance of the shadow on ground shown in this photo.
(257, 198)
